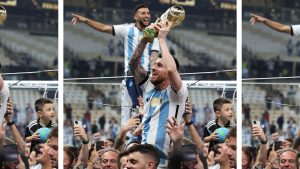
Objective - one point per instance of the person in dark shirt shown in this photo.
(224, 114)
(45, 111)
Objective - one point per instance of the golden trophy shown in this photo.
(175, 14)
(3, 14)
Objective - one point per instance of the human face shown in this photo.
(108, 144)
(226, 112)
(142, 17)
(67, 161)
(53, 152)
(231, 152)
(136, 160)
(42, 155)
(123, 161)
(27, 149)
(109, 160)
(287, 160)
(48, 112)
(221, 156)
(159, 72)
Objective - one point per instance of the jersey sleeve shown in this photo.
(155, 45)
(120, 30)
(206, 133)
(27, 132)
(295, 30)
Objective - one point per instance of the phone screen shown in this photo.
(189, 152)
(10, 152)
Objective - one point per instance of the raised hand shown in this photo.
(175, 130)
(256, 18)
(77, 18)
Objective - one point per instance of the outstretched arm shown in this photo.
(93, 24)
(273, 25)
(167, 58)
(138, 72)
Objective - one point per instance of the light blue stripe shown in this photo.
(130, 43)
(149, 54)
(161, 130)
(147, 121)
(143, 55)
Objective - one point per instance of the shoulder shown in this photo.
(32, 123)
(211, 123)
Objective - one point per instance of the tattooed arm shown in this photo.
(138, 72)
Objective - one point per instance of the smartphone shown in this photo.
(278, 145)
(134, 111)
(189, 152)
(99, 145)
(10, 152)
(78, 123)
(255, 122)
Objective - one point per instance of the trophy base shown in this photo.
(149, 34)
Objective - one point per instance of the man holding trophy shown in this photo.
(131, 34)
(163, 90)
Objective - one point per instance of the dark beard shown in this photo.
(142, 24)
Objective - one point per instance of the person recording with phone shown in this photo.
(84, 151)
(257, 131)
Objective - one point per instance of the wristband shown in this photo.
(189, 123)
(85, 142)
(10, 123)
(264, 142)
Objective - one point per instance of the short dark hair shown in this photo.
(122, 154)
(296, 143)
(72, 152)
(219, 102)
(232, 132)
(175, 59)
(111, 140)
(248, 154)
(146, 149)
(39, 104)
(53, 133)
(136, 8)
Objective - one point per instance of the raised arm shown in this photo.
(138, 72)
(189, 123)
(14, 130)
(93, 24)
(167, 58)
(258, 131)
(273, 25)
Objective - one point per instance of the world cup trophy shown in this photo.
(3, 14)
(175, 15)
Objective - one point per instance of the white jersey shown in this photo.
(159, 106)
(4, 94)
(295, 30)
(132, 36)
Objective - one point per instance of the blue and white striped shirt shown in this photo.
(132, 36)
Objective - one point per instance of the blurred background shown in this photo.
(276, 106)
(28, 43)
(267, 53)
(205, 41)
(29, 39)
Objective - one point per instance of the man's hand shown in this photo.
(188, 112)
(163, 29)
(258, 131)
(175, 130)
(141, 105)
(77, 18)
(256, 18)
(133, 122)
(9, 112)
(79, 131)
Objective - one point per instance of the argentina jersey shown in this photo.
(132, 36)
(159, 106)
